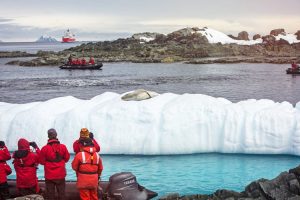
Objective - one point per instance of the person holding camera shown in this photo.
(84, 133)
(25, 163)
(5, 170)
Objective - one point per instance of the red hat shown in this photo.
(23, 144)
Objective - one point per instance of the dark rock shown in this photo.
(233, 37)
(170, 196)
(256, 36)
(269, 39)
(142, 36)
(298, 34)
(278, 31)
(15, 54)
(243, 35)
(282, 42)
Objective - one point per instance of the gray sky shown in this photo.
(26, 20)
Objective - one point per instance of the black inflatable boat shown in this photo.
(120, 186)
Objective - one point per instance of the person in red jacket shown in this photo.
(25, 163)
(84, 133)
(294, 66)
(54, 156)
(83, 61)
(88, 167)
(5, 170)
(91, 61)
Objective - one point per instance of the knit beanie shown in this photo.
(23, 144)
(84, 133)
(52, 133)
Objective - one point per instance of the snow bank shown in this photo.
(166, 124)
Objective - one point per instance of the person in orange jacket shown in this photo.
(5, 170)
(88, 167)
(84, 133)
(25, 163)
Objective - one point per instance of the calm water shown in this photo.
(199, 173)
(234, 82)
(186, 174)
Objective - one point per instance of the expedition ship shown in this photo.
(68, 37)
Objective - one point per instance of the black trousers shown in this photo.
(27, 191)
(4, 191)
(59, 185)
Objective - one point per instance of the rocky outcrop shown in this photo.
(256, 36)
(285, 186)
(298, 34)
(278, 31)
(15, 54)
(243, 35)
(184, 45)
(146, 37)
(270, 39)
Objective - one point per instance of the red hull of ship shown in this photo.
(68, 39)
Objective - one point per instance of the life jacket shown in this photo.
(88, 167)
(89, 159)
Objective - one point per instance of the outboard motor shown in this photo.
(124, 186)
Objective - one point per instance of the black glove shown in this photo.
(91, 135)
(33, 144)
(2, 144)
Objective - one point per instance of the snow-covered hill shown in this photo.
(45, 38)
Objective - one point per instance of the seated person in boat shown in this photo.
(294, 66)
(83, 61)
(77, 61)
(70, 60)
(91, 61)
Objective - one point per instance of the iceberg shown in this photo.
(166, 124)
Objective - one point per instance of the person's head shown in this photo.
(84, 133)
(52, 134)
(23, 144)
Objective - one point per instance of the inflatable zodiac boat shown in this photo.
(120, 186)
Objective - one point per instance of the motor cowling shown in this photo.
(124, 186)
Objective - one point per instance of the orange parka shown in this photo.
(88, 167)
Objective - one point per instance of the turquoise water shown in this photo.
(197, 173)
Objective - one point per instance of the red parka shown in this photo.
(54, 157)
(25, 163)
(5, 169)
(88, 167)
(78, 147)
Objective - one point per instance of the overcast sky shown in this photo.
(26, 20)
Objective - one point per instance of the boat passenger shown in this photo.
(294, 66)
(25, 163)
(5, 170)
(91, 61)
(83, 61)
(88, 167)
(84, 133)
(70, 60)
(54, 156)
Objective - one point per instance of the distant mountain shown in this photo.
(45, 38)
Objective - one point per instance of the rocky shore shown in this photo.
(186, 45)
(286, 186)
